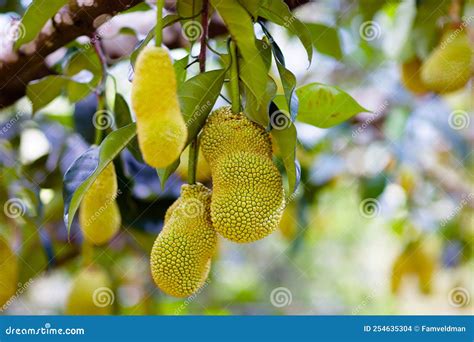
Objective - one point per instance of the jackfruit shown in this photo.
(161, 129)
(91, 293)
(414, 260)
(410, 75)
(248, 196)
(203, 171)
(8, 272)
(99, 216)
(181, 255)
(450, 65)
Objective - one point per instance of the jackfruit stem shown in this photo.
(192, 162)
(234, 78)
(159, 22)
(98, 129)
(87, 253)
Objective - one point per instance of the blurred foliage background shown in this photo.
(382, 222)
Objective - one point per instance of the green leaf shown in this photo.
(167, 21)
(35, 17)
(123, 117)
(325, 106)
(288, 81)
(43, 91)
(259, 112)
(165, 173)
(251, 6)
(240, 25)
(286, 139)
(325, 39)
(197, 96)
(278, 12)
(85, 170)
(78, 63)
(180, 69)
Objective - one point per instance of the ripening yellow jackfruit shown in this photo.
(8, 272)
(248, 196)
(410, 76)
(450, 65)
(181, 256)
(414, 260)
(161, 129)
(203, 171)
(99, 216)
(91, 293)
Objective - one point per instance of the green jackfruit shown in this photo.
(181, 256)
(8, 272)
(161, 129)
(248, 196)
(450, 65)
(99, 216)
(410, 75)
(91, 293)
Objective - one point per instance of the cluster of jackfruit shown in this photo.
(8, 272)
(99, 215)
(448, 68)
(181, 255)
(161, 129)
(91, 293)
(416, 261)
(248, 196)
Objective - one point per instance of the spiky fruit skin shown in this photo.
(99, 216)
(8, 272)
(181, 255)
(88, 287)
(203, 171)
(450, 66)
(410, 75)
(248, 196)
(161, 129)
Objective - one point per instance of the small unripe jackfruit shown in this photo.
(449, 67)
(8, 272)
(181, 256)
(161, 129)
(410, 75)
(91, 293)
(248, 196)
(99, 216)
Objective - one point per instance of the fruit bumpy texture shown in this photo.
(161, 129)
(91, 293)
(410, 75)
(99, 216)
(248, 196)
(8, 272)
(450, 66)
(181, 255)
